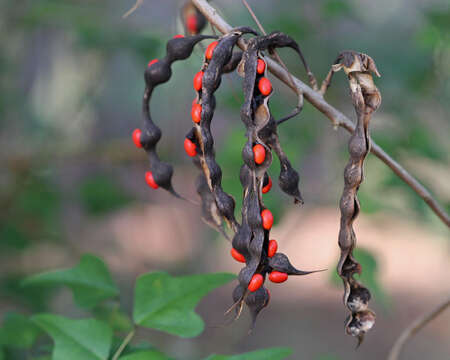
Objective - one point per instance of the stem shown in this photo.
(337, 118)
(414, 328)
(122, 346)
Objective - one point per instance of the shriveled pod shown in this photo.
(366, 99)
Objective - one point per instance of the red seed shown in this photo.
(191, 23)
(237, 255)
(272, 248)
(256, 282)
(190, 147)
(136, 136)
(210, 49)
(267, 188)
(260, 66)
(264, 86)
(278, 277)
(150, 181)
(267, 219)
(151, 62)
(259, 153)
(178, 36)
(196, 113)
(198, 81)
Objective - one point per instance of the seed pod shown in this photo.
(366, 98)
(280, 262)
(156, 73)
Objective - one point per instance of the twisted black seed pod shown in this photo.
(222, 60)
(252, 238)
(158, 73)
(288, 178)
(366, 99)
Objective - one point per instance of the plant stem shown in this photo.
(414, 328)
(337, 118)
(124, 343)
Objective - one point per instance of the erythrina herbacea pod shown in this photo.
(237, 255)
(264, 86)
(136, 136)
(267, 219)
(178, 36)
(198, 81)
(190, 147)
(267, 188)
(210, 49)
(260, 67)
(151, 62)
(191, 23)
(272, 248)
(278, 277)
(259, 153)
(196, 113)
(150, 181)
(256, 282)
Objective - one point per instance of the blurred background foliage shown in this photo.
(71, 82)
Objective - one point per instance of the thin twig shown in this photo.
(337, 118)
(414, 328)
(133, 9)
(122, 346)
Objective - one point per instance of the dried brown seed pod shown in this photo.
(366, 98)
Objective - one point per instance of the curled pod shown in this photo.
(159, 72)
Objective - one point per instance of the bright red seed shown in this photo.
(196, 113)
(267, 188)
(151, 62)
(264, 86)
(278, 277)
(259, 153)
(210, 49)
(272, 249)
(150, 180)
(267, 219)
(136, 136)
(191, 23)
(237, 255)
(190, 147)
(198, 81)
(256, 282)
(178, 36)
(260, 66)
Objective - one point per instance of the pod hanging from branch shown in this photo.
(366, 99)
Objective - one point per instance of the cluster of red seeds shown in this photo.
(251, 244)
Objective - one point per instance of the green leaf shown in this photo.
(90, 281)
(146, 355)
(167, 303)
(264, 354)
(100, 195)
(18, 331)
(86, 339)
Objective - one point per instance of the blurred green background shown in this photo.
(71, 84)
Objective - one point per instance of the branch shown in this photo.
(414, 328)
(337, 118)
